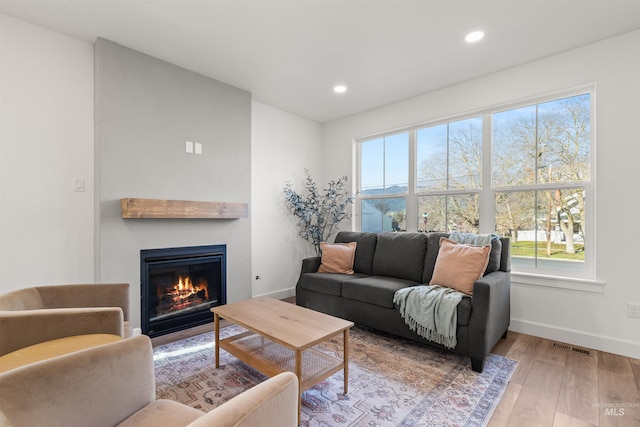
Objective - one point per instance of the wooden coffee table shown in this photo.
(280, 337)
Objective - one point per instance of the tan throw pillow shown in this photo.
(337, 257)
(458, 266)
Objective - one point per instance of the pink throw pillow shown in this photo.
(337, 257)
(458, 266)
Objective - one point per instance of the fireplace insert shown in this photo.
(179, 286)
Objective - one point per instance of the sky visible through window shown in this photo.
(539, 166)
(387, 158)
(387, 162)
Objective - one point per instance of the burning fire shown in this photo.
(185, 293)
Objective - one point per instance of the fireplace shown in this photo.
(179, 286)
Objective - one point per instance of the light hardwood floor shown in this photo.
(560, 385)
(555, 384)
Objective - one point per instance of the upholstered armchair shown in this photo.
(114, 385)
(43, 313)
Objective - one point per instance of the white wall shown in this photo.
(146, 109)
(46, 140)
(596, 320)
(282, 146)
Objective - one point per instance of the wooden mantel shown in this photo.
(155, 208)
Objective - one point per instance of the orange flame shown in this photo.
(185, 289)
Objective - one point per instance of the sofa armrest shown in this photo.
(490, 312)
(27, 327)
(89, 295)
(272, 403)
(310, 265)
(100, 386)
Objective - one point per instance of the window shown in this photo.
(523, 172)
(541, 158)
(449, 175)
(384, 175)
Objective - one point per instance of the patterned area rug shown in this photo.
(392, 382)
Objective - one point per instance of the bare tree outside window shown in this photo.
(449, 159)
(533, 186)
(543, 150)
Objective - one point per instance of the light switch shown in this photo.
(198, 148)
(188, 145)
(78, 185)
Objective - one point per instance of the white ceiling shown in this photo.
(290, 53)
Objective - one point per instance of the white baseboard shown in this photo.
(579, 338)
(281, 294)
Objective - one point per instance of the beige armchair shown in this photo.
(34, 315)
(114, 385)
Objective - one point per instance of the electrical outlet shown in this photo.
(633, 310)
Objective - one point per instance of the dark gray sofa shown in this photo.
(387, 262)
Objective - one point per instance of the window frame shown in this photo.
(357, 217)
(581, 280)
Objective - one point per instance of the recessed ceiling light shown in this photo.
(340, 89)
(474, 36)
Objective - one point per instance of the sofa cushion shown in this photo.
(377, 290)
(400, 255)
(505, 255)
(433, 246)
(363, 261)
(458, 266)
(337, 257)
(326, 283)
(494, 257)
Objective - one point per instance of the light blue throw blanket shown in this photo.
(473, 239)
(430, 311)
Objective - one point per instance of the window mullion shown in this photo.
(384, 178)
(412, 199)
(487, 206)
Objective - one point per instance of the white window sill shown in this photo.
(584, 285)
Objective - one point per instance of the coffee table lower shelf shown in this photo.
(271, 358)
